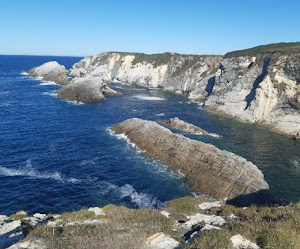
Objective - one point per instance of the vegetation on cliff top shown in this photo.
(283, 47)
(120, 227)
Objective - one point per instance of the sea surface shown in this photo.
(58, 156)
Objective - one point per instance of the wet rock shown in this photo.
(208, 170)
(51, 71)
(179, 124)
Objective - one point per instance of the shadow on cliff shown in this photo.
(251, 96)
(260, 198)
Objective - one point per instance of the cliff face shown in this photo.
(261, 89)
(171, 71)
(211, 171)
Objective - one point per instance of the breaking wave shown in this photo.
(52, 94)
(128, 192)
(48, 83)
(28, 171)
(146, 97)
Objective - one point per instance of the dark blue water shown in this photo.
(57, 156)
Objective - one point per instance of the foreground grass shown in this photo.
(269, 227)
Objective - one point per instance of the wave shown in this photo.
(118, 87)
(128, 192)
(146, 97)
(52, 94)
(124, 137)
(160, 114)
(28, 171)
(74, 102)
(4, 92)
(214, 135)
(24, 73)
(48, 83)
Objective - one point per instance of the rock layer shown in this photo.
(51, 71)
(179, 124)
(174, 72)
(208, 170)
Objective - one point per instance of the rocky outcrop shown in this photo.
(10, 231)
(174, 72)
(179, 124)
(86, 90)
(51, 71)
(258, 87)
(208, 170)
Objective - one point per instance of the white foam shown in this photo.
(28, 171)
(160, 114)
(127, 191)
(214, 135)
(74, 102)
(146, 97)
(48, 83)
(52, 94)
(24, 73)
(119, 87)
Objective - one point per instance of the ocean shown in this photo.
(58, 156)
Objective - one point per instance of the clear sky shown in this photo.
(87, 27)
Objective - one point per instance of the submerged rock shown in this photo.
(208, 170)
(87, 90)
(51, 71)
(179, 124)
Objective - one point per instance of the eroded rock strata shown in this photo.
(208, 170)
(179, 124)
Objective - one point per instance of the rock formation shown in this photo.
(87, 90)
(259, 85)
(51, 71)
(179, 124)
(208, 170)
(174, 72)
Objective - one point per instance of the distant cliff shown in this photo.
(174, 72)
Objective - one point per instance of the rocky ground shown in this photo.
(189, 222)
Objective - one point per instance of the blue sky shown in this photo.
(86, 27)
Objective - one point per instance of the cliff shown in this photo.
(171, 71)
(207, 169)
(260, 85)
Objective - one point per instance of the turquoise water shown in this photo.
(59, 156)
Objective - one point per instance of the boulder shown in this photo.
(86, 90)
(207, 169)
(10, 231)
(161, 241)
(51, 71)
(179, 124)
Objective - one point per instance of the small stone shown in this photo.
(165, 213)
(161, 241)
(209, 205)
(239, 242)
(39, 216)
(98, 211)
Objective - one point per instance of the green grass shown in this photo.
(285, 48)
